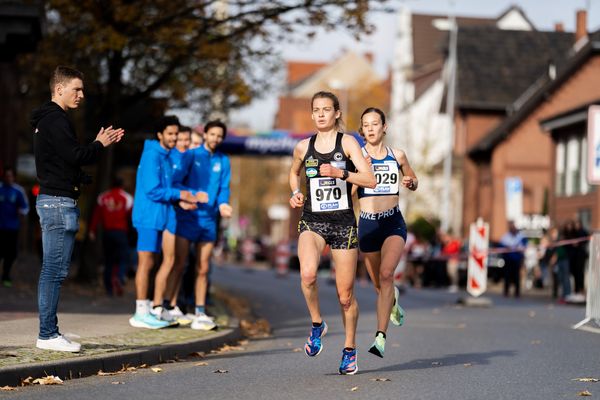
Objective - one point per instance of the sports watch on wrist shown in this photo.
(345, 174)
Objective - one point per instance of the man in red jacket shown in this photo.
(113, 212)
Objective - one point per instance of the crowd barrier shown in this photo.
(592, 307)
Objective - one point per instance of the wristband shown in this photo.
(295, 192)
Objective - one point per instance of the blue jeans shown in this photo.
(564, 277)
(59, 219)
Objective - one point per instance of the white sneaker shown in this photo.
(180, 317)
(59, 343)
(162, 314)
(203, 323)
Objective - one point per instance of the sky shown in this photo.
(327, 46)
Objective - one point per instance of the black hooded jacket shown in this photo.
(58, 155)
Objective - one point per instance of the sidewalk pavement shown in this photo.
(101, 324)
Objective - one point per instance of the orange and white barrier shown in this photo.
(478, 256)
(282, 258)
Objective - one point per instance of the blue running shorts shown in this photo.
(202, 230)
(374, 228)
(149, 240)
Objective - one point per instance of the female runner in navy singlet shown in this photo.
(381, 227)
(332, 162)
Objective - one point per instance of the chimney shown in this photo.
(559, 27)
(581, 29)
(369, 57)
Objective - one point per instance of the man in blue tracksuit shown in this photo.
(154, 195)
(209, 172)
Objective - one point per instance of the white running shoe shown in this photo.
(59, 343)
(180, 316)
(162, 314)
(203, 323)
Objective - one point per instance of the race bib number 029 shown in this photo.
(328, 194)
(386, 175)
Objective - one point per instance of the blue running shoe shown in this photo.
(147, 321)
(349, 364)
(313, 345)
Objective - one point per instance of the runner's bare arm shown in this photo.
(409, 179)
(297, 198)
(364, 177)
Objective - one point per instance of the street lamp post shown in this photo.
(450, 94)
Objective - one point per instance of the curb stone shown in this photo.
(109, 362)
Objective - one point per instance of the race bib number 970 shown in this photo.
(328, 194)
(386, 175)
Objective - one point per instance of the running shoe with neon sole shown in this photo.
(203, 323)
(148, 321)
(180, 316)
(163, 314)
(349, 364)
(313, 345)
(378, 346)
(397, 314)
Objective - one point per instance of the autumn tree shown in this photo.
(215, 55)
(209, 55)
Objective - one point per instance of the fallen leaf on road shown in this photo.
(49, 380)
(436, 363)
(436, 311)
(297, 350)
(288, 344)
(118, 383)
(199, 354)
(586, 380)
(536, 342)
(221, 371)
(102, 373)
(584, 393)
(258, 328)
(354, 389)
(143, 366)
(156, 369)
(243, 343)
(201, 364)
(468, 364)
(461, 326)
(531, 314)
(26, 381)
(381, 379)
(395, 345)
(7, 388)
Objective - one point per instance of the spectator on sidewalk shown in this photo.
(58, 161)
(577, 258)
(113, 212)
(154, 196)
(559, 263)
(13, 203)
(513, 260)
(451, 247)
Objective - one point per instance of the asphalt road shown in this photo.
(518, 349)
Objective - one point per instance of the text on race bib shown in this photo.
(387, 177)
(328, 194)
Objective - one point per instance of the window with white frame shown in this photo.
(571, 166)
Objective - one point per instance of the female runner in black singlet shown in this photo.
(332, 162)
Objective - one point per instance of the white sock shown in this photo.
(142, 307)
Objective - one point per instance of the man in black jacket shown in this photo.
(58, 160)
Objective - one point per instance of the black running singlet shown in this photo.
(327, 199)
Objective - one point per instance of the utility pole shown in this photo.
(450, 95)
